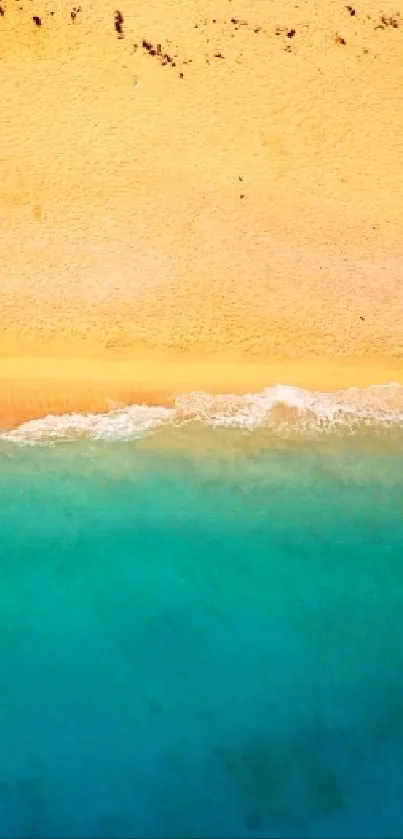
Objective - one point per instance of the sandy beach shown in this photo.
(197, 197)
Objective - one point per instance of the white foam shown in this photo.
(281, 408)
(295, 406)
(117, 424)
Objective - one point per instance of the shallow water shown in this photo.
(201, 635)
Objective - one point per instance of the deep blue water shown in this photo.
(202, 640)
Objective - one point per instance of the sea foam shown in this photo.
(282, 409)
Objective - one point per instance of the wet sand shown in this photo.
(37, 386)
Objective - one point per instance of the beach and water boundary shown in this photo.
(201, 419)
(37, 386)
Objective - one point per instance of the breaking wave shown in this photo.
(282, 409)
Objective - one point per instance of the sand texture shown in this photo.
(207, 181)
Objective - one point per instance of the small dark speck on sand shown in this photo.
(351, 10)
(181, 75)
(242, 195)
(1, 11)
(361, 317)
(290, 33)
(37, 21)
(118, 23)
(390, 21)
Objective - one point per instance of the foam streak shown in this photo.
(282, 409)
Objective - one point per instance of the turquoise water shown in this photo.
(202, 636)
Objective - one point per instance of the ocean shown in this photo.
(201, 627)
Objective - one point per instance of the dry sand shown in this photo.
(236, 225)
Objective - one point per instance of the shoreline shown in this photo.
(36, 385)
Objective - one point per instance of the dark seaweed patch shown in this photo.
(74, 12)
(156, 50)
(118, 21)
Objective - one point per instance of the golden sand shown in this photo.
(221, 224)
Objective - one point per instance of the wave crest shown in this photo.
(281, 408)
